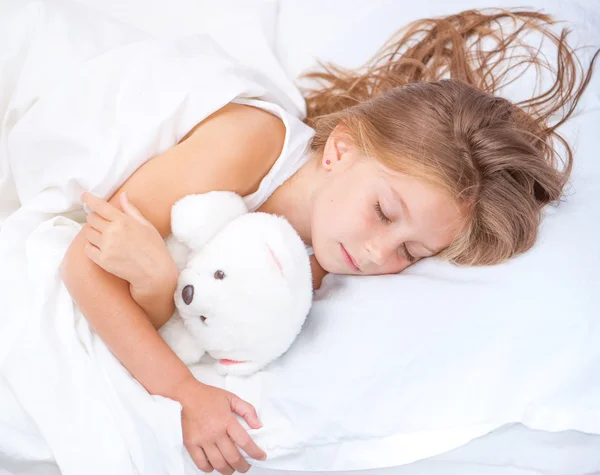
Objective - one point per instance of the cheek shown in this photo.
(325, 213)
(400, 265)
(338, 214)
(395, 265)
(320, 229)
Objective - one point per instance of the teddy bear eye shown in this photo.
(219, 275)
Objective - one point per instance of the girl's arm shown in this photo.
(231, 150)
(124, 243)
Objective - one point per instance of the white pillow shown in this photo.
(389, 370)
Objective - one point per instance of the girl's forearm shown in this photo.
(106, 302)
(157, 300)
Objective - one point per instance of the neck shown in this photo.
(293, 199)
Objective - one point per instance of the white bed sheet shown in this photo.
(511, 450)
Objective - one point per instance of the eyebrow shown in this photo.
(402, 203)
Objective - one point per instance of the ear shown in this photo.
(195, 219)
(338, 144)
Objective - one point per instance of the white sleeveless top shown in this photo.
(294, 154)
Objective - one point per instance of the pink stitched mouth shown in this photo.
(229, 362)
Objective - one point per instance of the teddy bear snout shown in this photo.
(188, 294)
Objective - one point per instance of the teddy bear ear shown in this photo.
(195, 219)
(286, 250)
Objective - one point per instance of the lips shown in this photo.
(349, 260)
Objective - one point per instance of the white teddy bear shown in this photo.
(245, 283)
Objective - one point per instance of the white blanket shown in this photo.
(84, 102)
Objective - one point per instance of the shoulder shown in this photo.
(248, 138)
(233, 150)
(241, 124)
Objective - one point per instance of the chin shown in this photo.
(337, 268)
(326, 258)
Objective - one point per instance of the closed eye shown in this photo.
(381, 214)
(407, 254)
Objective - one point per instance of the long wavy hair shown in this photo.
(426, 104)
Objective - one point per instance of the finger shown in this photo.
(92, 252)
(100, 206)
(131, 210)
(246, 411)
(232, 455)
(216, 459)
(241, 438)
(96, 222)
(93, 236)
(199, 458)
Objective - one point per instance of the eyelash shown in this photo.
(385, 219)
(380, 213)
(407, 254)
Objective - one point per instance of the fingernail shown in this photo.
(124, 195)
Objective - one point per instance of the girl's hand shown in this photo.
(212, 433)
(127, 245)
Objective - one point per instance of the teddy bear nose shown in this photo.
(188, 294)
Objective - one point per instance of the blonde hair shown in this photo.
(496, 158)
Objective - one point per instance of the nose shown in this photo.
(188, 294)
(380, 249)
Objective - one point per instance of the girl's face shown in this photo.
(368, 220)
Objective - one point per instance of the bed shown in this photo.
(497, 374)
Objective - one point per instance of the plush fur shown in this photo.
(250, 278)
